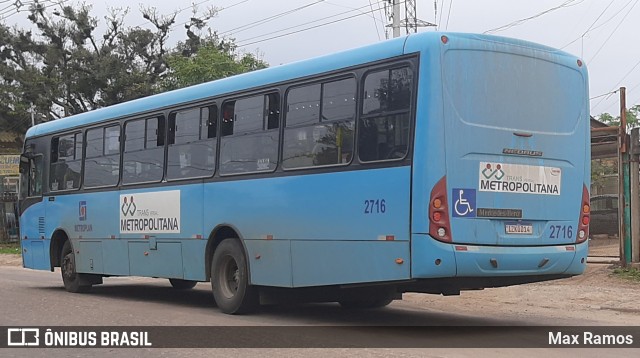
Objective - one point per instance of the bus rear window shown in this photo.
(516, 92)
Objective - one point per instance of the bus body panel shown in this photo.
(159, 259)
(34, 243)
(515, 142)
(269, 214)
(333, 208)
(321, 262)
(429, 160)
(513, 261)
(579, 263)
(449, 145)
(431, 258)
(270, 262)
(115, 257)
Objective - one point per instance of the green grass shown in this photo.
(631, 274)
(10, 248)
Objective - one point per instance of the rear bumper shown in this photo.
(516, 261)
(433, 259)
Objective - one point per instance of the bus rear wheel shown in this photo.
(230, 279)
(70, 277)
(179, 284)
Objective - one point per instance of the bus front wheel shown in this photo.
(71, 279)
(230, 279)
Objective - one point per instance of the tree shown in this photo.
(207, 64)
(64, 67)
(603, 168)
(204, 56)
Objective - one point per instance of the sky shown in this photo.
(604, 33)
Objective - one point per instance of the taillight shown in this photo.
(585, 216)
(439, 227)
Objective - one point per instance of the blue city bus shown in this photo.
(433, 163)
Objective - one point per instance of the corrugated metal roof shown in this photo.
(8, 137)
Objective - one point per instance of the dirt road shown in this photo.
(595, 298)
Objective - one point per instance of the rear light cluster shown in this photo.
(585, 216)
(439, 226)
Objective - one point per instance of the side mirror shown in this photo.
(24, 163)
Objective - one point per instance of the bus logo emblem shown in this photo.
(82, 210)
(488, 172)
(128, 208)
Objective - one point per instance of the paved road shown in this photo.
(37, 298)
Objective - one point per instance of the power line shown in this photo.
(521, 21)
(614, 31)
(613, 16)
(17, 10)
(374, 21)
(240, 44)
(634, 87)
(602, 95)
(441, 12)
(178, 11)
(311, 22)
(373, 15)
(448, 15)
(219, 10)
(591, 26)
(617, 84)
(268, 19)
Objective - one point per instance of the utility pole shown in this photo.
(635, 196)
(32, 110)
(396, 18)
(410, 22)
(624, 195)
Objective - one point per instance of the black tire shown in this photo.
(179, 284)
(230, 279)
(70, 278)
(366, 303)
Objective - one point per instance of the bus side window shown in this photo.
(249, 141)
(384, 126)
(66, 162)
(102, 157)
(272, 110)
(192, 143)
(319, 127)
(226, 127)
(143, 158)
(35, 176)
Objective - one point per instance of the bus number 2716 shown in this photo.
(375, 206)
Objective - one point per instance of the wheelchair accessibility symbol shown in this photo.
(464, 203)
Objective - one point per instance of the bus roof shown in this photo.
(254, 79)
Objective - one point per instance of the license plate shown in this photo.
(518, 228)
